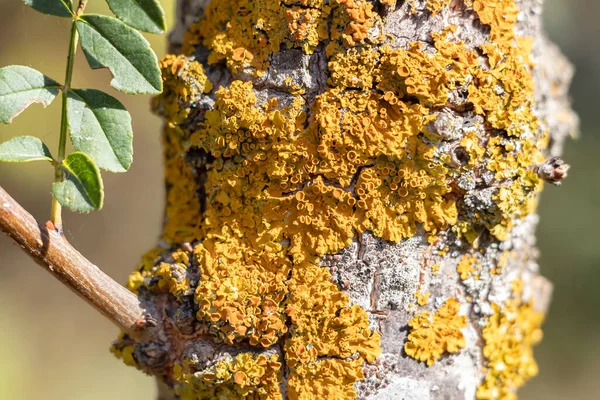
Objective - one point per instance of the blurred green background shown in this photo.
(54, 347)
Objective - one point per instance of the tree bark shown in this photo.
(351, 192)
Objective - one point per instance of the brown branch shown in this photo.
(50, 249)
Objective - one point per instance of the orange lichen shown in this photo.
(244, 292)
(398, 73)
(183, 213)
(352, 20)
(240, 294)
(471, 143)
(184, 82)
(422, 298)
(505, 93)
(156, 274)
(325, 379)
(244, 33)
(262, 191)
(431, 337)
(247, 376)
(125, 353)
(509, 335)
(323, 324)
(172, 280)
(467, 266)
(352, 68)
(413, 194)
(500, 15)
(429, 77)
(434, 6)
(503, 261)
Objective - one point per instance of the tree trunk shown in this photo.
(351, 194)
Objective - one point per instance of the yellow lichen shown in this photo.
(135, 281)
(244, 33)
(433, 6)
(431, 337)
(125, 353)
(473, 147)
(352, 20)
(244, 292)
(183, 211)
(436, 5)
(467, 266)
(144, 269)
(325, 380)
(428, 77)
(263, 191)
(382, 128)
(247, 376)
(503, 260)
(509, 335)
(170, 281)
(184, 81)
(352, 68)
(422, 298)
(240, 294)
(323, 323)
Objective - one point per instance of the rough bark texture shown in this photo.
(423, 286)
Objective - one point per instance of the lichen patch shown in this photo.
(260, 190)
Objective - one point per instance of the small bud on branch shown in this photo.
(552, 171)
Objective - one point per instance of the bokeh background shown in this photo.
(55, 347)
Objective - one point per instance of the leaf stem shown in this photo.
(56, 215)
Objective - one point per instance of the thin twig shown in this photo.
(50, 249)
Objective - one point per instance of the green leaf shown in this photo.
(100, 126)
(24, 149)
(145, 15)
(82, 190)
(22, 86)
(109, 43)
(60, 8)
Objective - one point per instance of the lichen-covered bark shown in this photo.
(351, 194)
